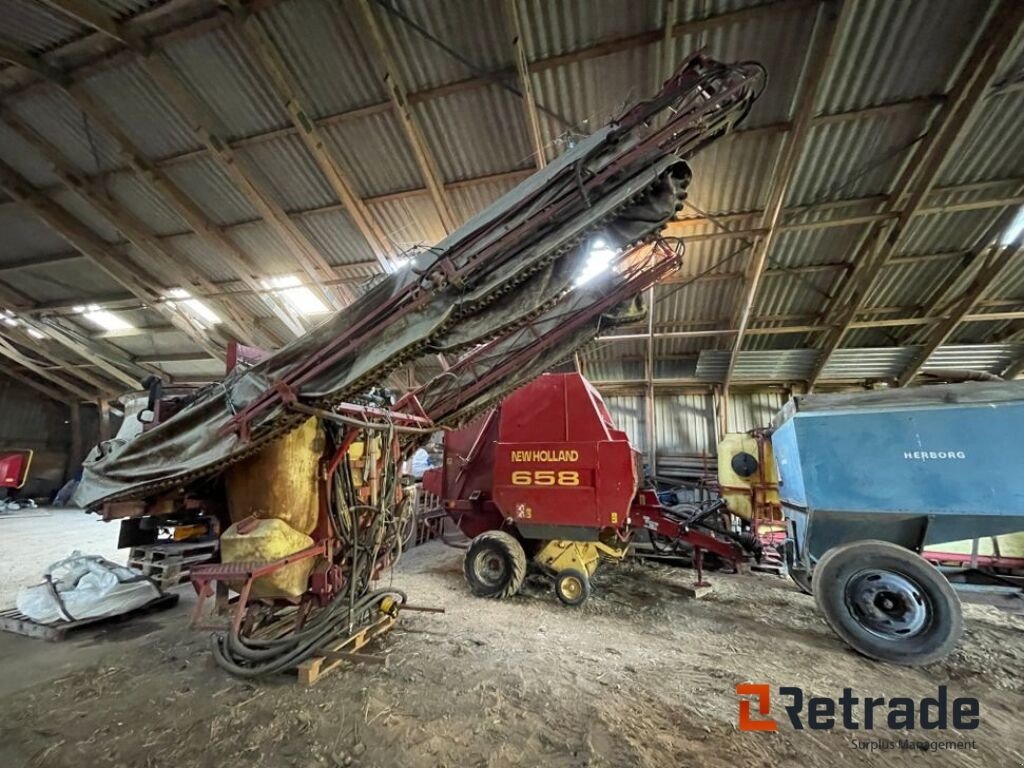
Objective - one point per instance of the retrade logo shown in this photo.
(823, 713)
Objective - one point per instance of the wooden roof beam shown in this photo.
(9, 351)
(398, 94)
(816, 64)
(204, 125)
(288, 89)
(239, 322)
(82, 238)
(995, 262)
(44, 389)
(969, 90)
(531, 115)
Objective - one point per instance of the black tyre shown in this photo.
(888, 603)
(663, 545)
(572, 586)
(494, 565)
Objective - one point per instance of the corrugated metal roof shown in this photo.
(20, 156)
(326, 55)
(287, 172)
(217, 68)
(476, 29)
(977, 357)
(49, 111)
(30, 25)
(993, 145)
(138, 197)
(210, 188)
(855, 158)
(376, 154)
(895, 51)
(337, 238)
(463, 129)
(141, 110)
(889, 51)
(25, 237)
(409, 222)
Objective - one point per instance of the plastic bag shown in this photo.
(83, 587)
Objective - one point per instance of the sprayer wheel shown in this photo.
(495, 565)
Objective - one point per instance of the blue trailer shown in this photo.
(867, 480)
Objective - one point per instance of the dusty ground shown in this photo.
(641, 675)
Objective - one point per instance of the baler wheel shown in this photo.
(572, 586)
(887, 602)
(495, 565)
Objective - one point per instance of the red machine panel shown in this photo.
(559, 460)
(14, 467)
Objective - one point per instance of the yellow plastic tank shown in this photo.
(280, 481)
(265, 540)
(747, 477)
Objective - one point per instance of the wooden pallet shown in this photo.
(169, 564)
(336, 654)
(12, 620)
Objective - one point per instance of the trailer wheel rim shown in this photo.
(888, 604)
(490, 568)
(571, 587)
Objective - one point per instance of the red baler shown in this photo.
(547, 477)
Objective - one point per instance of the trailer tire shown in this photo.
(572, 587)
(494, 565)
(888, 603)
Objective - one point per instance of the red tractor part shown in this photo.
(14, 466)
(549, 469)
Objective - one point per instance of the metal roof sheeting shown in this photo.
(888, 52)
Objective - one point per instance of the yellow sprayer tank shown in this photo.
(746, 475)
(258, 541)
(279, 487)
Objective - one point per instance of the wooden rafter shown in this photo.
(15, 375)
(816, 64)
(288, 89)
(921, 172)
(996, 259)
(530, 113)
(203, 124)
(400, 101)
(239, 322)
(11, 352)
(82, 238)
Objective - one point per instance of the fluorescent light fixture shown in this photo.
(301, 299)
(599, 257)
(101, 318)
(1015, 229)
(194, 307)
(35, 334)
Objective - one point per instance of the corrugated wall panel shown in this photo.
(33, 422)
(630, 415)
(750, 410)
(684, 424)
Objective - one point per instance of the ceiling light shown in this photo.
(194, 307)
(599, 257)
(1016, 228)
(301, 299)
(101, 318)
(35, 334)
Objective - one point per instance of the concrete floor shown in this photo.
(34, 539)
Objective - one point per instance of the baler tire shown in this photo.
(580, 587)
(888, 603)
(506, 549)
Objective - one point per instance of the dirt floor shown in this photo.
(641, 675)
